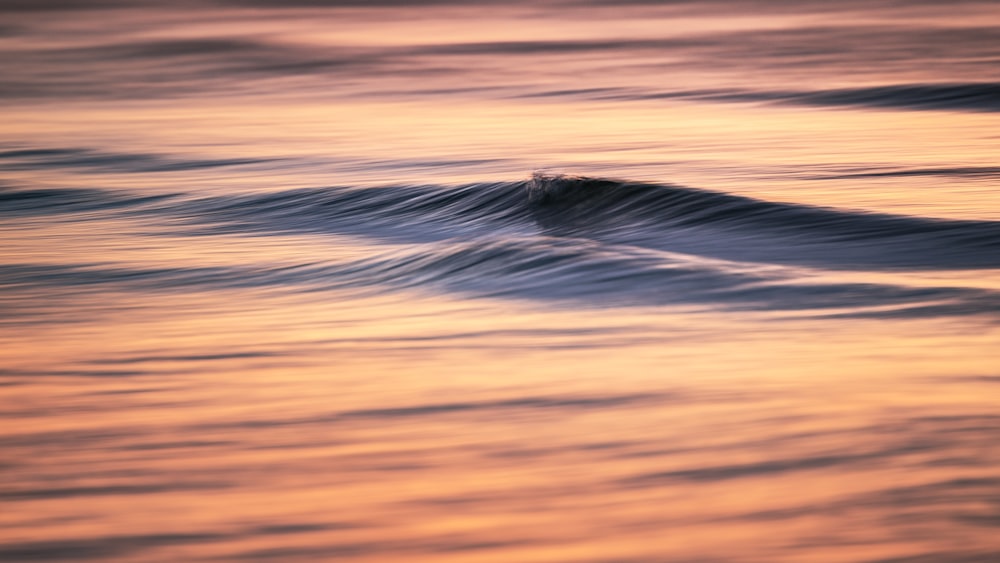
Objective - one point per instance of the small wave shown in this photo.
(983, 96)
(661, 217)
(986, 172)
(553, 271)
(654, 216)
(592, 274)
(92, 159)
(410, 214)
(15, 202)
(970, 96)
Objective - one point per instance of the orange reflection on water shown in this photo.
(191, 378)
(388, 438)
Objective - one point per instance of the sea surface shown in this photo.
(552, 281)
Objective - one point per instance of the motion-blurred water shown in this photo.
(476, 281)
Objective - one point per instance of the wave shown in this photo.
(552, 239)
(554, 271)
(984, 97)
(584, 273)
(652, 216)
(91, 159)
(661, 217)
(966, 96)
(20, 202)
(988, 172)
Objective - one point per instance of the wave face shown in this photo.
(558, 240)
(659, 217)
(740, 228)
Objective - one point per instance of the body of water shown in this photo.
(448, 281)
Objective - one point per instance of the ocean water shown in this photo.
(555, 281)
